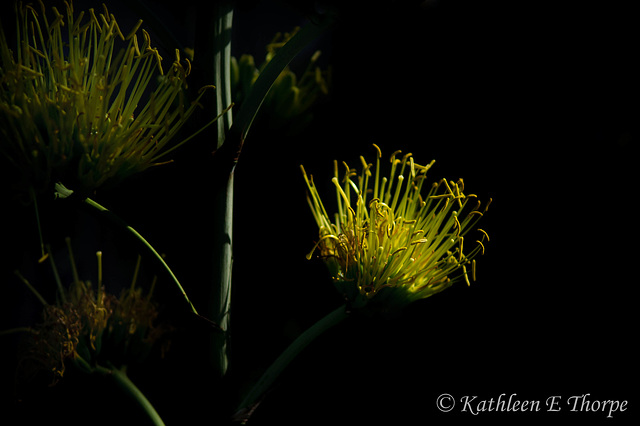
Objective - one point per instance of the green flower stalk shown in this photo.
(82, 103)
(391, 241)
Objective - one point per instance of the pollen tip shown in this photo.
(378, 149)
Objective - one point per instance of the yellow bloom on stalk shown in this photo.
(76, 99)
(392, 241)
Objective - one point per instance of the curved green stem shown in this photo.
(121, 378)
(274, 371)
(119, 375)
(153, 251)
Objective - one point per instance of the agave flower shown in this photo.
(394, 239)
(290, 100)
(78, 103)
(89, 326)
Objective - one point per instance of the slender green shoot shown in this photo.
(125, 383)
(44, 254)
(273, 372)
(146, 244)
(31, 287)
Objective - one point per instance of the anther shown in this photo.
(135, 29)
(378, 149)
(99, 256)
(117, 27)
(448, 187)
(95, 19)
(488, 204)
(365, 166)
(466, 276)
(399, 250)
(455, 218)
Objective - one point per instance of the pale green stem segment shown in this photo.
(233, 138)
(153, 251)
(274, 371)
(222, 65)
(223, 265)
(223, 237)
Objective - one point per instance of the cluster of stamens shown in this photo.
(385, 235)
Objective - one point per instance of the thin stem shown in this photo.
(18, 330)
(35, 206)
(121, 378)
(56, 275)
(274, 371)
(145, 243)
(31, 287)
(193, 135)
(125, 383)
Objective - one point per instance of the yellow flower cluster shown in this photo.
(387, 240)
(76, 99)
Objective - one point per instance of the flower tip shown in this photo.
(378, 150)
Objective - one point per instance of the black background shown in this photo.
(534, 104)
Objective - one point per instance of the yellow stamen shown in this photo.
(473, 269)
(378, 150)
(99, 257)
(458, 226)
(485, 234)
(466, 276)
(133, 31)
